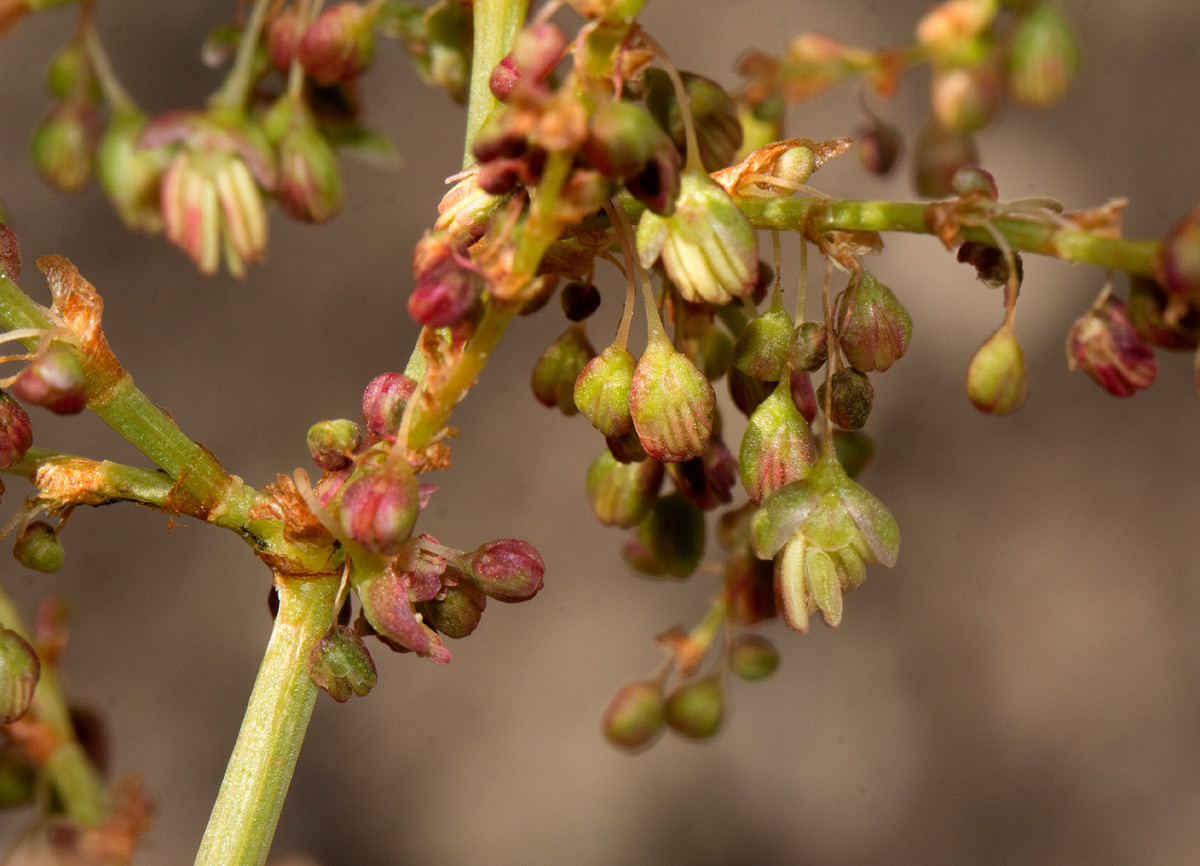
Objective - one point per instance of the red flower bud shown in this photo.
(379, 507)
(383, 402)
(447, 288)
(1106, 346)
(878, 329)
(16, 432)
(338, 45)
(54, 380)
(507, 569)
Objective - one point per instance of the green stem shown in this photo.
(117, 96)
(256, 781)
(67, 479)
(236, 89)
(496, 25)
(68, 769)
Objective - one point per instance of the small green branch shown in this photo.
(496, 25)
(67, 768)
(236, 89)
(243, 820)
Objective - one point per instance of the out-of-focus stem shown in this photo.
(496, 25)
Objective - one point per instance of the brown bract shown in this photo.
(765, 160)
(80, 307)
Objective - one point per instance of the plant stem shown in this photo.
(68, 769)
(236, 88)
(256, 781)
(496, 25)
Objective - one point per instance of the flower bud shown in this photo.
(852, 399)
(622, 494)
(696, 709)
(447, 287)
(389, 612)
(708, 247)
(458, 614)
(1106, 346)
(331, 443)
(658, 185)
(39, 549)
(601, 392)
(996, 378)
(750, 587)
(714, 116)
(64, 145)
(671, 403)
(1177, 267)
(878, 329)
(971, 181)
(777, 447)
(340, 664)
(747, 392)
(310, 184)
(537, 50)
(70, 73)
(622, 139)
(379, 506)
(1043, 56)
(506, 569)
(626, 448)
(707, 481)
(989, 263)
(384, 400)
(338, 45)
(130, 175)
(879, 147)
(1147, 308)
(671, 537)
(807, 347)
(940, 153)
(282, 36)
(965, 98)
(753, 657)
(803, 396)
(579, 300)
(10, 252)
(16, 431)
(854, 450)
(556, 371)
(761, 349)
(634, 717)
(19, 672)
(53, 380)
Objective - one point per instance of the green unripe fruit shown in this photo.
(634, 717)
(696, 708)
(38, 548)
(753, 657)
(340, 664)
(996, 378)
(761, 350)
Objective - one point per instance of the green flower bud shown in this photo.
(19, 672)
(132, 176)
(761, 349)
(753, 657)
(940, 152)
(601, 392)
(877, 332)
(716, 350)
(671, 403)
(777, 447)
(70, 74)
(64, 145)
(996, 378)
(1043, 56)
(708, 247)
(310, 183)
(671, 537)
(966, 98)
(332, 443)
(622, 494)
(458, 614)
(853, 398)
(971, 181)
(696, 709)
(634, 717)
(714, 114)
(556, 370)
(38, 548)
(808, 348)
(340, 664)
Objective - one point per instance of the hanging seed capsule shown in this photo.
(940, 152)
(761, 349)
(64, 145)
(19, 673)
(996, 378)
(332, 443)
(696, 709)
(579, 300)
(777, 447)
(16, 432)
(601, 391)
(672, 534)
(622, 494)
(878, 329)
(753, 657)
(1043, 56)
(879, 147)
(39, 549)
(459, 613)
(341, 665)
(966, 98)
(852, 399)
(671, 403)
(555, 372)
(634, 716)
(807, 347)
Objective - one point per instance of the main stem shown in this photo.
(243, 820)
(496, 25)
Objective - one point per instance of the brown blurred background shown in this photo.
(1023, 687)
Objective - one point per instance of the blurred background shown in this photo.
(1023, 687)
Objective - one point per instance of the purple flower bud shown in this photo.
(879, 147)
(1043, 56)
(996, 379)
(696, 708)
(1177, 267)
(556, 371)
(447, 288)
(852, 399)
(503, 78)
(753, 657)
(458, 613)
(671, 402)
(878, 329)
(379, 507)
(383, 402)
(708, 480)
(601, 391)
(331, 443)
(777, 447)
(1147, 314)
(20, 669)
(16, 431)
(622, 494)
(579, 300)
(341, 665)
(338, 45)
(10, 253)
(940, 153)
(537, 49)
(1106, 346)
(634, 717)
(53, 380)
(39, 549)
(507, 569)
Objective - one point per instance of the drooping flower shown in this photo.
(1107, 347)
